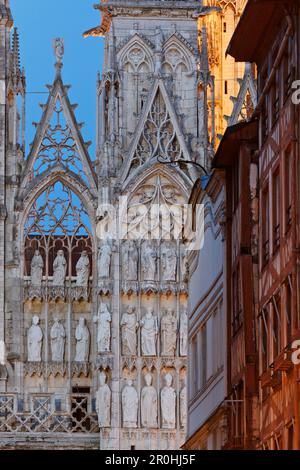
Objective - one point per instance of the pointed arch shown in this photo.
(179, 53)
(57, 216)
(158, 133)
(136, 51)
(58, 142)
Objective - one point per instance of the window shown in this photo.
(203, 355)
(195, 365)
(264, 120)
(275, 101)
(224, 27)
(276, 210)
(236, 301)
(235, 184)
(288, 189)
(265, 227)
(287, 69)
(288, 307)
(264, 339)
(276, 326)
(226, 87)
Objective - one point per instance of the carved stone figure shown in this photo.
(35, 341)
(129, 326)
(183, 406)
(104, 260)
(149, 404)
(129, 405)
(169, 263)
(59, 49)
(57, 335)
(149, 261)
(184, 269)
(103, 402)
(168, 333)
(103, 319)
(149, 333)
(82, 336)
(37, 266)
(83, 270)
(130, 261)
(168, 404)
(59, 269)
(183, 333)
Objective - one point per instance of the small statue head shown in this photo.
(168, 380)
(35, 320)
(102, 378)
(60, 252)
(148, 379)
(36, 253)
(56, 320)
(130, 309)
(81, 321)
(129, 382)
(149, 313)
(84, 253)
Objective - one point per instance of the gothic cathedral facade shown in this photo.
(93, 329)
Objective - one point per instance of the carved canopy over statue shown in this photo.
(103, 402)
(129, 405)
(35, 341)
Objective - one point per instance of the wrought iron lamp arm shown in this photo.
(181, 160)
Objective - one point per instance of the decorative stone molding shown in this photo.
(34, 368)
(80, 368)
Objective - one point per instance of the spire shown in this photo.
(59, 50)
(204, 63)
(16, 52)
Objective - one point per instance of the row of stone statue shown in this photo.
(149, 404)
(60, 269)
(150, 329)
(58, 337)
(130, 257)
(129, 326)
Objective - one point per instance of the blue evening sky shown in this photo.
(38, 22)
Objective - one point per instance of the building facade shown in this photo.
(95, 326)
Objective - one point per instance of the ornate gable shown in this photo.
(158, 136)
(58, 145)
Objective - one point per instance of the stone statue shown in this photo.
(82, 336)
(130, 262)
(129, 405)
(149, 404)
(57, 335)
(169, 263)
(37, 266)
(103, 402)
(184, 268)
(149, 261)
(103, 335)
(83, 270)
(129, 326)
(183, 331)
(168, 404)
(183, 406)
(104, 260)
(168, 331)
(149, 333)
(34, 341)
(59, 269)
(59, 49)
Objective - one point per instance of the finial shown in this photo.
(59, 49)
